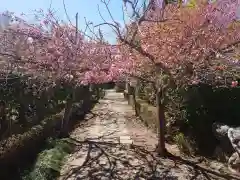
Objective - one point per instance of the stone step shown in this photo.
(125, 137)
(125, 140)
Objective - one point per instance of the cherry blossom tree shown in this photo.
(56, 51)
(185, 41)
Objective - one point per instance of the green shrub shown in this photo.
(49, 162)
(183, 143)
(193, 109)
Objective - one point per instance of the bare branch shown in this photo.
(114, 26)
(65, 9)
(130, 43)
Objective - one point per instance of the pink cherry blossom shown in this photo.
(234, 84)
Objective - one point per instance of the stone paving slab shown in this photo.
(126, 141)
(125, 137)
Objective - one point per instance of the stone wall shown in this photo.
(146, 112)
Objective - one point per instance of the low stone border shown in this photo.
(146, 112)
(18, 149)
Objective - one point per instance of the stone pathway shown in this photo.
(113, 144)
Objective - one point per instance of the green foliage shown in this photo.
(36, 98)
(49, 162)
(205, 105)
(19, 149)
(146, 92)
(29, 100)
(191, 3)
(183, 143)
(194, 109)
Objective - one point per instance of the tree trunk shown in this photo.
(40, 109)
(67, 113)
(133, 89)
(86, 99)
(127, 87)
(96, 90)
(161, 125)
(3, 119)
(22, 109)
(22, 117)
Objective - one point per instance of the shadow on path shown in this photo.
(115, 161)
(100, 155)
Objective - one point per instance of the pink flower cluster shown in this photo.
(223, 12)
(234, 84)
(58, 53)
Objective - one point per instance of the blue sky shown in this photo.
(85, 8)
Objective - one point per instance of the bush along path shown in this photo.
(32, 155)
(49, 161)
(113, 144)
